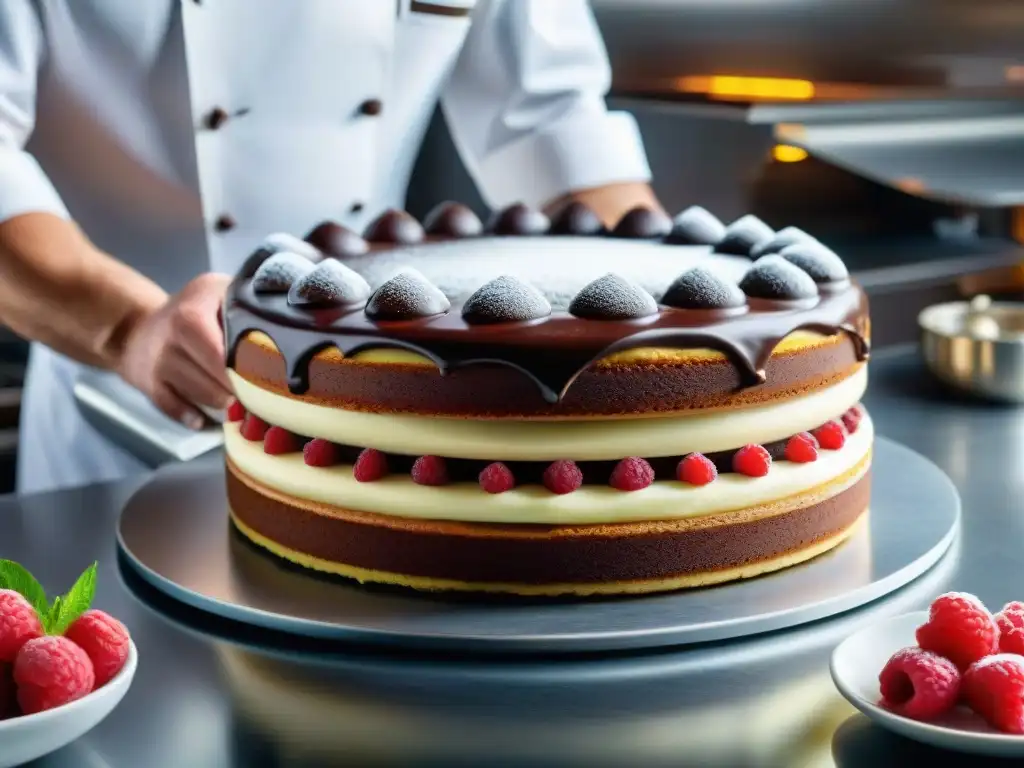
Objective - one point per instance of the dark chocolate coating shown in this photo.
(505, 299)
(643, 223)
(822, 264)
(396, 227)
(576, 219)
(519, 219)
(406, 296)
(699, 288)
(742, 235)
(781, 239)
(453, 220)
(613, 297)
(336, 240)
(772, 277)
(696, 226)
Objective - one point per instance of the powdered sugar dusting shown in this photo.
(405, 295)
(559, 267)
(612, 297)
(330, 283)
(775, 278)
(280, 271)
(505, 299)
(699, 288)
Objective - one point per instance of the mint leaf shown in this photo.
(68, 608)
(16, 577)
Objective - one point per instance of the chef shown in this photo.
(147, 147)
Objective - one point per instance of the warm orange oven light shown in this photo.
(754, 88)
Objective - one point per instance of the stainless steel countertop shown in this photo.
(204, 699)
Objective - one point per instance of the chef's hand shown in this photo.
(175, 354)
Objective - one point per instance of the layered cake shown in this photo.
(545, 407)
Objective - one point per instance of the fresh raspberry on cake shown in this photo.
(1014, 606)
(994, 688)
(430, 470)
(497, 478)
(802, 448)
(752, 460)
(632, 474)
(50, 672)
(105, 641)
(851, 419)
(562, 477)
(696, 469)
(320, 453)
(960, 628)
(19, 623)
(236, 411)
(253, 427)
(279, 440)
(919, 684)
(831, 436)
(370, 465)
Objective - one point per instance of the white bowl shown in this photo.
(855, 667)
(28, 738)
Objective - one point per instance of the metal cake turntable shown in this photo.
(175, 533)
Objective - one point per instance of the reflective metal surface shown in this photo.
(175, 531)
(977, 350)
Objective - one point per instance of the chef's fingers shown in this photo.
(172, 404)
(198, 337)
(191, 382)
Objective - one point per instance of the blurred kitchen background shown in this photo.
(891, 129)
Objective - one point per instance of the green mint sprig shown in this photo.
(58, 616)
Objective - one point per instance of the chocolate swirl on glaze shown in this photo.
(553, 350)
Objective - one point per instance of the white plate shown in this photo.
(855, 667)
(28, 738)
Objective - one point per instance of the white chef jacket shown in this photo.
(179, 133)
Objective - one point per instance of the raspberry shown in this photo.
(236, 411)
(429, 470)
(802, 448)
(851, 419)
(19, 623)
(320, 453)
(1010, 621)
(919, 684)
(752, 460)
(50, 672)
(104, 640)
(1014, 606)
(831, 436)
(994, 688)
(253, 427)
(8, 692)
(696, 469)
(279, 440)
(562, 477)
(959, 628)
(497, 478)
(370, 465)
(632, 474)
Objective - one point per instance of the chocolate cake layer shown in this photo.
(500, 391)
(531, 555)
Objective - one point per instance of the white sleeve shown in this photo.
(525, 104)
(24, 187)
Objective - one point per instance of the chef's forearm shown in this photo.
(611, 201)
(56, 287)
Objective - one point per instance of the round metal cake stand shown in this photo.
(175, 532)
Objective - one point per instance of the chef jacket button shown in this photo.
(216, 118)
(371, 107)
(356, 207)
(224, 222)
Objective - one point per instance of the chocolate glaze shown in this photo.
(519, 219)
(336, 240)
(453, 220)
(552, 351)
(576, 219)
(395, 227)
(643, 223)
(479, 553)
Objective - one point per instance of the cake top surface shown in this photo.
(546, 297)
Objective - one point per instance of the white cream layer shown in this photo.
(398, 495)
(581, 440)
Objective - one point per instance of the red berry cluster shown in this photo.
(40, 672)
(963, 654)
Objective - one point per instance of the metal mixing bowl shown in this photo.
(976, 346)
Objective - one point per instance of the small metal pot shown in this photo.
(976, 346)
